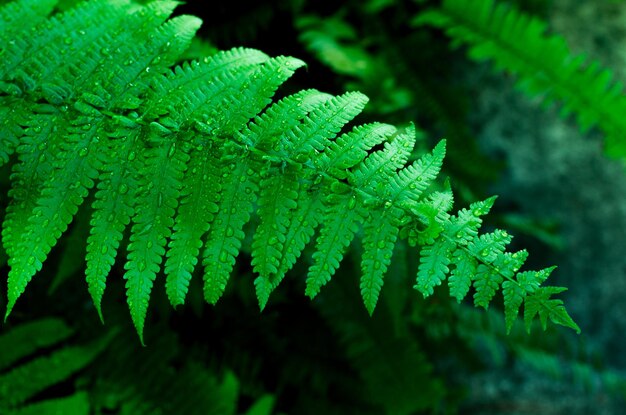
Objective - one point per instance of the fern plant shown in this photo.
(543, 63)
(182, 157)
(108, 376)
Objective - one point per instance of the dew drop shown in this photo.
(223, 256)
(352, 203)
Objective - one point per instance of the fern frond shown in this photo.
(77, 404)
(27, 338)
(34, 376)
(184, 154)
(518, 43)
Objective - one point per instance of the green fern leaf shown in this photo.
(223, 240)
(62, 193)
(490, 245)
(12, 28)
(414, 179)
(13, 16)
(88, 99)
(27, 338)
(342, 218)
(462, 275)
(540, 303)
(380, 235)
(197, 210)
(25, 381)
(519, 43)
(486, 282)
(463, 228)
(152, 223)
(433, 268)
(350, 148)
(77, 404)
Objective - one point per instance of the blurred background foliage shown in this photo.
(559, 194)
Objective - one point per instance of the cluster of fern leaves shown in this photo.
(96, 377)
(184, 155)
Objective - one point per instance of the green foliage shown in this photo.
(519, 43)
(393, 367)
(28, 379)
(182, 157)
(554, 355)
(108, 376)
(371, 57)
